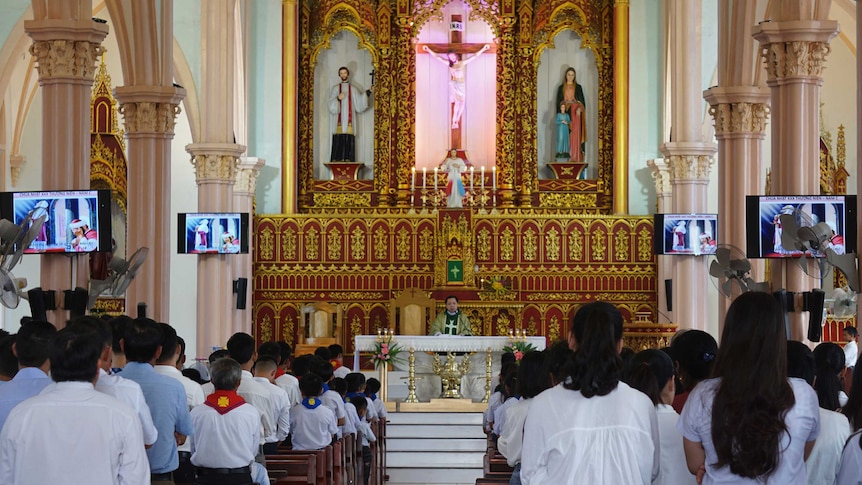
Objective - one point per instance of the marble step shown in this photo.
(417, 431)
(405, 476)
(434, 444)
(444, 419)
(435, 460)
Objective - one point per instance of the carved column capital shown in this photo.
(739, 117)
(149, 117)
(689, 167)
(660, 171)
(215, 162)
(15, 164)
(66, 59)
(246, 175)
(795, 48)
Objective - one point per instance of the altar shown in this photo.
(419, 352)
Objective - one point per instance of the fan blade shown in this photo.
(762, 287)
(8, 290)
(822, 233)
(726, 287)
(722, 255)
(740, 266)
(96, 288)
(789, 232)
(124, 279)
(26, 238)
(716, 270)
(846, 264)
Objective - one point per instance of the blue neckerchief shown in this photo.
(351, 395)
(373, 396)
(311, 402)
(116, 370)
(325, 387)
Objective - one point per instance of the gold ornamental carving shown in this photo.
(312, 240)
(530, 246)
(661, 175)
(66, 58)
(287, 330)
(599, 245)
(739, 117)
(483, 244)
(288, 244)
(567, 200)
(402, 244)
(426, 244)
(379, 243)
(355, 325)
(621, 245)
(690, 167)
(644, 245)
(794, 58)
(552, 244)
(150, 117)
(507, 245)
(213, 166)
(576, 245)
(333, 246)
(342, 200)
(554, 329)
(266, 329)
(357, 244)
(266, 238)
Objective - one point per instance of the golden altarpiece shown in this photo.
(524, 251)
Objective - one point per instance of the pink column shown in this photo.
(794, 49)
(664, 203)
(688, 156)
(241, 264)
(150, 114)
(215, 158)
(66, 50)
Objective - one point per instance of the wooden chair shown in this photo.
(412, 312)
(300, 469)
(323, 462)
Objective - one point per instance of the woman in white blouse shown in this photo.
(750, 424)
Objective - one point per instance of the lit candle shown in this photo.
(424, 178)
(413, 179)
(494, 178)
(435, 179)
(471, 180)
(482, 176)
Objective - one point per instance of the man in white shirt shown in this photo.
(125, 390)
(850, 350)
(337, 360)
(264, 373)
(72, 433)
(227, 432)
(281, 351)
(241, 348)
(167, 365)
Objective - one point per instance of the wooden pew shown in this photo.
(324, 468)
(298, 469)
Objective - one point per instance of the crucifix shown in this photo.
(457, 56)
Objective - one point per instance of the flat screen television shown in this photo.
(763, 227)
(212, 233)
(692, 234)
(77, 221)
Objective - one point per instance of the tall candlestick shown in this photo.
(424, 178)
(482, 176)
(471, 181)
(435, 179)
(494, 178)
(413, 179)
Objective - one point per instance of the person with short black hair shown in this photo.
(323, 353)
(372, 387)
(851, 351)
(165, 396)
(119, 325)
(336, 358)
(71, 433)
(451, 321)
(312, 426)
(227, 431)
(264, 374)
(330, 398)
(364, 433)
(31, 349)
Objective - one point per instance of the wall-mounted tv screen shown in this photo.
(77, 220)
(213, 233)
(693, 234)
(764, 230)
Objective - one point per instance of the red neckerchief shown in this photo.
(224, 401)
(279, 372)
(335, 364)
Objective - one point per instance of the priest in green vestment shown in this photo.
(451, 321)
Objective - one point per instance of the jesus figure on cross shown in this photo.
(457, 90)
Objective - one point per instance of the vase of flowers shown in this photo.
(386, 352)
(519, 348)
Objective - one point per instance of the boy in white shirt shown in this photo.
(364, 430)
(376, 408)
(312, 425)
(330, 398)
(264, 373)
(850, 350)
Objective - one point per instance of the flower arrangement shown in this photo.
(386, 352)
(519, 348)
(497, 288)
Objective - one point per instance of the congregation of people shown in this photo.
(757, 409)
(110, 401)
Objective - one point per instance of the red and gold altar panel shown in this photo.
(520, 271)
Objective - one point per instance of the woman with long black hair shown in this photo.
(592, 428)
(750, 423)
